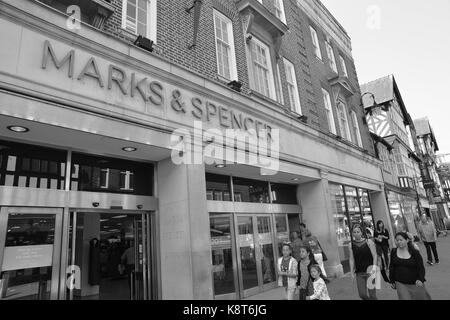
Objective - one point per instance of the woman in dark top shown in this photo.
(381, 237)
(407, 272)
(363, 260)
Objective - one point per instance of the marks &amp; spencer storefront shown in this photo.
(92, 205)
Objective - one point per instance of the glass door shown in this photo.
(256, 254)
(247, 260)
(110, 252)
(30, 245)
(224, 266)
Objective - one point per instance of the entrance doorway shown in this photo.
(30, 245)
(112, 252)
(245, 249)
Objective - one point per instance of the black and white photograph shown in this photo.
(224, 154)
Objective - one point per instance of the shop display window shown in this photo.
(283, 193)
(30, 166)
(101, 174)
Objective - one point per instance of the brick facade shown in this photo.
(175, 35)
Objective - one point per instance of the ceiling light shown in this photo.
(220, 166)
(129, 149)
(18, 129)
(295, 179)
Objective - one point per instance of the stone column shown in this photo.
(318, 216)
(185, 247)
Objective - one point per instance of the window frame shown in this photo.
(282, 16)
(315, 43)
(232, 50)
(295, 105)
(347, 124)
(343, 65)
(355, 126)
(329, 110)
(331, 57)
(151, 30)
(269, 67)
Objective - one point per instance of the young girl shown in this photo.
(304, 282)
(320, 288)
(287, 272)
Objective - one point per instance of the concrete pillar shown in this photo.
(380, 210)
(318, 216)
(184, 232)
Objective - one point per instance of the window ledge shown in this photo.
(261, 15)
(258, 96)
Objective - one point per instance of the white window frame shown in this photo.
(271, 80)
(106, 185)
(127, 175)
(280, 87)
(329, 111)
(232, 52)
(355, 125)
(151, 19)
(294, 97)
(345, 130)
(279, 10)
(331, 56)
(315, 42)
(343, 65)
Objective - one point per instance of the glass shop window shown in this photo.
(218, 187)
(283, 193)
(246, 190)
(30, 166)
(101, 174)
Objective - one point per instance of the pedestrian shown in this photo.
(319, 255)
(363, 262)
(303, 230)
(297, 243)
(428, 235)
(381, 237)
(287, 272)
(407, 271)
(320, 287)
(304, 282)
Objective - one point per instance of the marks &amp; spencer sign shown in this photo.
(145, 90)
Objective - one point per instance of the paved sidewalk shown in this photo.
(438, 281)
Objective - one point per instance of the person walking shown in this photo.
(363, 262)
(320, 287)
(287, 272)
(304, 282)
(407, 272)
(428, 235)
(381, 237)
(319, 255)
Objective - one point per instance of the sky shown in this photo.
(411, 40)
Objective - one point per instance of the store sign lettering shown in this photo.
(152, 91)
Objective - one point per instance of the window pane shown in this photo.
(251, 190)
(284, 193)
(218, 187)
(131, 11)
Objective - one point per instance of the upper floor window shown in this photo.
(139, 17)
(291, 79)
(343, 66)
(331, 56)
(355, 127)
(226, 57)
(263, 81)
(329, 111)
(315, 40)
(279, 10)
(343, 121)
